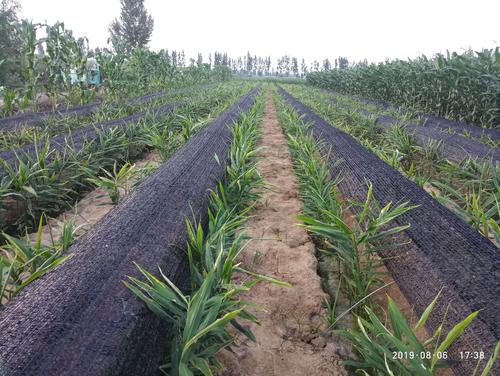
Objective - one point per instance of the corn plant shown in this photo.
(61, 47)
(458, 86)
(29, 72)
(78, 58)
(53, 62)
(10, 99)
(112, 66)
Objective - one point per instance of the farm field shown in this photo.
(456, 169)
(161, 214)
(297, 152)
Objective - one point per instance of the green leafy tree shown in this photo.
(295, 67)
(327, 65)
(249, 63)
(134, 27)
(303, 67)
(10, 42)
(341, 63)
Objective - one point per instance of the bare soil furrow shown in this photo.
(289, 339)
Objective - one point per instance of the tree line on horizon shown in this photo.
(132, 30)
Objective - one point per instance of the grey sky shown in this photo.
(312, 29)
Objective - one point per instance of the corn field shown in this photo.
(464, 87)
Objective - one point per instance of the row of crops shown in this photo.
(52, 169)
(150, 224)
(463, 87)
(446, 270)
(71, 307)
(63, 68)
(187, 168)
(460, 171)
(50, 166)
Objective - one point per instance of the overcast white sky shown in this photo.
(312, 29)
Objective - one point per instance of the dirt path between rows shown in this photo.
(289, 340)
